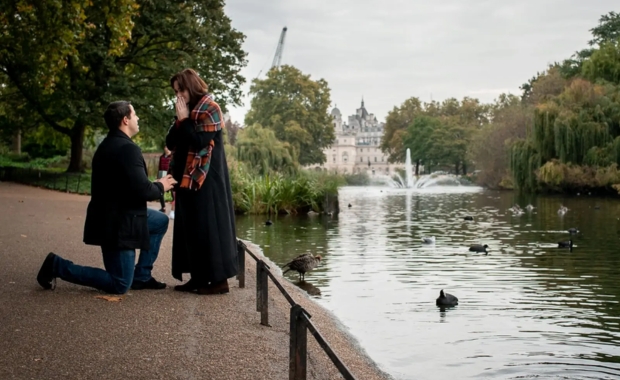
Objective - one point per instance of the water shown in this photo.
(526, 310)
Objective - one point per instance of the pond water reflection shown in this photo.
(527, 309)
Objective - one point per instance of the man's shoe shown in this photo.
(171, 216)
(46, 277)
(150, 284)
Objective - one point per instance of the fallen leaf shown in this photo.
(110, 298)
(24, 236)
(68, 218)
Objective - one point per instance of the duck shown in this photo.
(478, 248)
(517, 210)
(350, 205)
(268, 222)
(468, 217)
(446, 299)
(428, 240)
(302, 264)
(566, 244)
(573, 231)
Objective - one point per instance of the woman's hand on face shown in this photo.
(181, 108)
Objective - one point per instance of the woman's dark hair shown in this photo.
(189, 80)
(116, 112)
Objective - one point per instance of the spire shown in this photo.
(362, 101)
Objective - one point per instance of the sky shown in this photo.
(389, 51)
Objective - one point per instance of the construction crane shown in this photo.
(277, 58)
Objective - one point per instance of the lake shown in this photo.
(528, 309)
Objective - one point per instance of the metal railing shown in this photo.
(300, 322)
(68, 182)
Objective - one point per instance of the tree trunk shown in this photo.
(417, 167)
(77, 143)
(17, 142)
(456, 168)
(464, 168)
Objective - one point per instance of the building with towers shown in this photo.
(356, 148)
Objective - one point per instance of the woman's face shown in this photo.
(180, 94)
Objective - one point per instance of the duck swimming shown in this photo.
(428, 239)
(478, 248)
(446, 299)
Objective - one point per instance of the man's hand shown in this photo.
(167, 181)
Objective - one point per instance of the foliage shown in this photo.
(276, 193)
(438, 134)
(65, 61)
(259, 148)
(490, 145)
(608, 30)
(295, 108)
(395, 130)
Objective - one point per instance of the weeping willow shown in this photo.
(524, 161)
(259, 148)
(543, 133)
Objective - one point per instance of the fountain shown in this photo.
(409, 183)
(435, 179)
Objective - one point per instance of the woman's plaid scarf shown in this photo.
(207, 117)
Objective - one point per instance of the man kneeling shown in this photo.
(117, 218)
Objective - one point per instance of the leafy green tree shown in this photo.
(420, 140)
(397, 122)
(295, 108)
(260, 149)
(604, 63)
(68, 59)
(608, 30)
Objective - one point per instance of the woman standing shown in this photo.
(204, 242)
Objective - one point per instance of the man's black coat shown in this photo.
(120, 188)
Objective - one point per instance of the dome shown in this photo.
(335, 112)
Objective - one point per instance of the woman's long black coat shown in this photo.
(204, 243)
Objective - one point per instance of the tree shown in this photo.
(491, 145)
(69, 59)
(232, 131)
(604, 63)
(419, 139)
(395, 130)
(608, 30)
(295, 108)
(544, 86)
(260, 149)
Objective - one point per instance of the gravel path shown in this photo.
(69, 333)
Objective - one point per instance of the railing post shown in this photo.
(262, 292)
(241, 256)
(299, 344)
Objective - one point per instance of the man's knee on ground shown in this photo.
(120, 287)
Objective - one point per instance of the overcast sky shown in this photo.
(392, 50)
